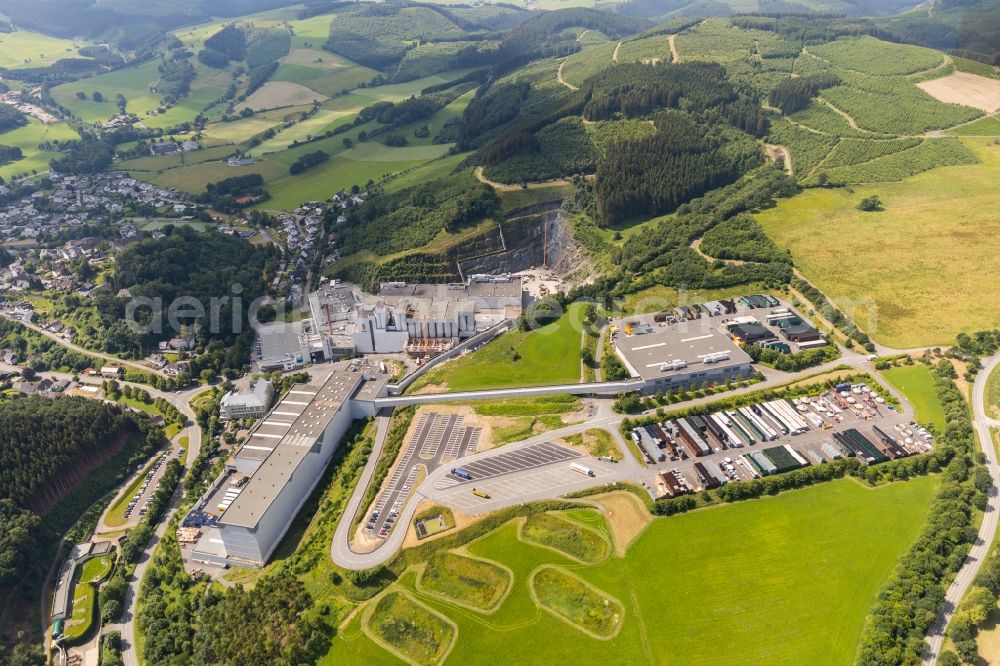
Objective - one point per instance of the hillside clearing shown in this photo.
(963, 88)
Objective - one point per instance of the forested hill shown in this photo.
(53, 455)
(42, 441)
(202, 266)
(138, 18)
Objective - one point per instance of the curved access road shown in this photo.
(83, 350)
(340, 549)
(988, 528)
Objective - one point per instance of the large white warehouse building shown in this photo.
(269, 479)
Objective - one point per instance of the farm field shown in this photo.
(24, 48)
(929, 250)
(186, 109)
(371, 161)
(917, 384)
(279, 94)
(763, 553)
(27, 139)
(548, 355)
(132, 82)
(346, 167)
(432, 170)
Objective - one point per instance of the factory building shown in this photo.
(250, 506)
(420, 319)
(671, 357)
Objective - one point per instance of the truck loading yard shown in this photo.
(771, 437)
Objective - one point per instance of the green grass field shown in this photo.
(371, 159)
(24, 48)
(917, 384)
(548, 355)
(132, 82)
(720, 586)
(993, 393)
(929, 251)
(576, 601)
(85, 595)
(410, 629)
(566, 537)
(28, 138)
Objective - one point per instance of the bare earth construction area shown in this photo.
(964, 88)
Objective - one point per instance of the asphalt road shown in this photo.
(988, 528)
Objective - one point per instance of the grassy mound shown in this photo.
(576, 601)
(465, 580)
(416, 633)
(574, 540)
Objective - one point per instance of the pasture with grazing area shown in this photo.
(28, 138)
(133, 82)
(927, 262)
(748, 589)
(548, 355)
(279, 94)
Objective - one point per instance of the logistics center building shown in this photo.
(251, 505)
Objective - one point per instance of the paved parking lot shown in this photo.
(528, 473)
(508, 462)
(423, 449)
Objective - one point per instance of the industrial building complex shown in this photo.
(705, 344)
(248, 509)
(419, 319)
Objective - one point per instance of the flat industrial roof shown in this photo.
(279, 340)
(283, 439)
(689, 341)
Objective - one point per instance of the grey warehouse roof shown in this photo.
(677, 349)
(283, 439)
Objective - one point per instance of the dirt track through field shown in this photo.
(504, 187)
(614, 56)
(673, 48)
(776, 152)
(563, 81)
(843, 114)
